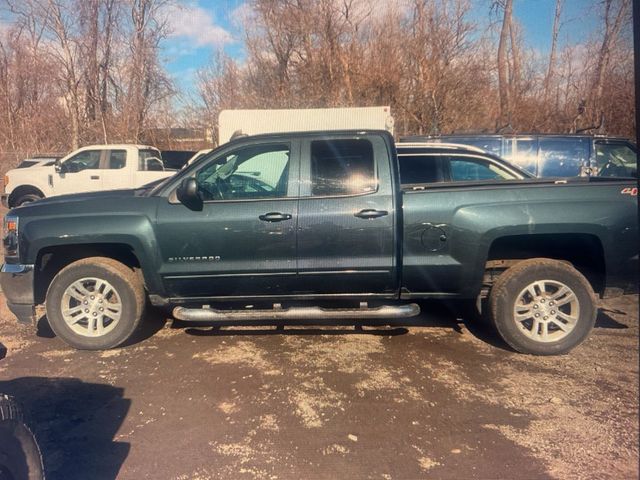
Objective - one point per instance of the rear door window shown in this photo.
(342, 167)
(473, 169)
(416, 169)
(616, 160)
(117, 159)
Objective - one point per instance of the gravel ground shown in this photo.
(443, 398)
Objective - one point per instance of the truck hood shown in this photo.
(102, 196)
(30, 172)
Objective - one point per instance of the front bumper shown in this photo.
(17, 285)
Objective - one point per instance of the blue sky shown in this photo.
(202, 27)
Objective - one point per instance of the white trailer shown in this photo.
(253, 122)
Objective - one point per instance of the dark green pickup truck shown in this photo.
(318, 227)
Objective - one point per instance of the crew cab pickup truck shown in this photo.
(319, 226)
(97, 167)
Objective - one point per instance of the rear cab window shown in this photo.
(149, 159)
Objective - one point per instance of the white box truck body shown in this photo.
(254, 122)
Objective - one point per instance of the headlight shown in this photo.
(10, 236)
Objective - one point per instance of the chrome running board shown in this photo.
(206, 314)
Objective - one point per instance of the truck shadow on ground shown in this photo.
(440, 314)
(457, 316)
(74, 423)
(454, 315)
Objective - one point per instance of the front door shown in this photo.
(243, 242)
(346, 226)
(80, 173)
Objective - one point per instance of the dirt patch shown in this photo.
(243, 353)
(446, 400)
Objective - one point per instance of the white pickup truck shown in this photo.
(92, 168)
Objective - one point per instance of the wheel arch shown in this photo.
(582, 250)
(50, 260)
(23, 190)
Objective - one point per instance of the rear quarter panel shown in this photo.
(448, 231)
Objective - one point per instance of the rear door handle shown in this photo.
(95, 177)
(371, 213)
(275, 217)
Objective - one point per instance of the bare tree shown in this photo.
(615, 14)
(503, 66)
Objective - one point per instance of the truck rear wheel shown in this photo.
(543, 307)
(20, 456)
(95, 303)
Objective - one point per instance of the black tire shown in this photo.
(20, 457)
(26, 198)
(512, 283)
(128, 286)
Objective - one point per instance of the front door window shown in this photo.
(249, 173)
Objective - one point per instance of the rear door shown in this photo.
(116, 173)
(347, 217)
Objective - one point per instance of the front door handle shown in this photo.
(371, 213)
(275, 217)
(95, 177)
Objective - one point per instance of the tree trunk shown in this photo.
(503, 67)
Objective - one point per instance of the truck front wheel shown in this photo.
(543, 307)
(26, 198)
(95, 303)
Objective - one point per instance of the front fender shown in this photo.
(133, 230)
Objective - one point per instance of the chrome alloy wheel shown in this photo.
(546, 311)
(91, 307)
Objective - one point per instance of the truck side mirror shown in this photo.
(154, 164)
(58, 166)
(188, 194)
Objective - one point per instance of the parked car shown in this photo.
(37, 162)
(425, 163)
(97, 167)
(176, 159)
(554, 155)
(280, 227)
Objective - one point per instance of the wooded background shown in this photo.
(76, 72)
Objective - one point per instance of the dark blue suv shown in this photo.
(554, 155)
